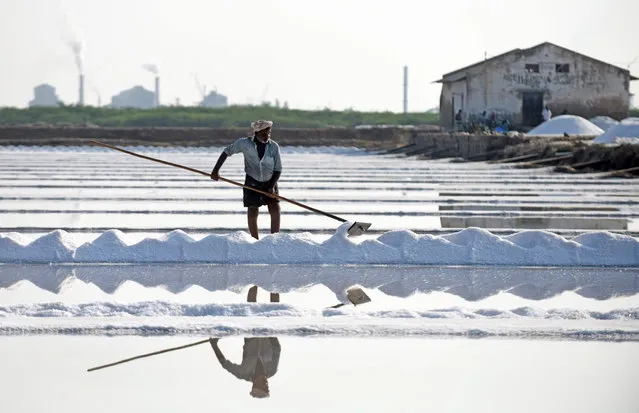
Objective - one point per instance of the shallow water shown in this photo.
(44, 374)
(141, 299)
(74, 189)
(551, 339)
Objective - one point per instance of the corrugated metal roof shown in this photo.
(445, 78)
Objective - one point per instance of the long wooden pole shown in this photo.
(221, 179)
(149, 355)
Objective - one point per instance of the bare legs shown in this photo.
(251, 297)
(274, 211)
(253, 212)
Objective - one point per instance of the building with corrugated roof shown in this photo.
(517, 84)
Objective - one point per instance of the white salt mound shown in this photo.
(627, 131)
(604, 122)
(570, 124)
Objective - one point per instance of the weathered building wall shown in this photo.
(477, 92)
(446, 106)
(589, 88)
(454, 97)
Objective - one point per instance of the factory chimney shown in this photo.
(81, 91)
(405, 89)
(157, 91)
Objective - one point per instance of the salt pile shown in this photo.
(627, 131)
(567, 124)
(470, 246)
(604, 122)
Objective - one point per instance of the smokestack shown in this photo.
(81, 91)
(405, 89)
(157, 91)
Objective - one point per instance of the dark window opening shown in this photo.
(532, 68)
(562, 68)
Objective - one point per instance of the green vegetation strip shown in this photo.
(233, 116)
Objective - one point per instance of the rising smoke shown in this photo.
(76, 48)
(71, 39)
(151, 68)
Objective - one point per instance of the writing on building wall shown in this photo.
(540, 80)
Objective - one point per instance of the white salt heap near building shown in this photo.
(627, 131)
(566, 124)
(604, 122)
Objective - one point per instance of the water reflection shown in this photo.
(260, 356)
(470, 283)
(322, 374)
(260, 359)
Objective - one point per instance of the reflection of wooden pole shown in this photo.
(149, 354)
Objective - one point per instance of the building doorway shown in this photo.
(532, 103)
(458, 104)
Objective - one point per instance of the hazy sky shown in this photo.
(313, 54)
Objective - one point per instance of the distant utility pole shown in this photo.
(485, 79)
(405, 89)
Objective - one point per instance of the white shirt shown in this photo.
(546, 113)
(266, 349)
(258, 169)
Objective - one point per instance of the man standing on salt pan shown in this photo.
(263, 167)
(260, 356)
(546, 113)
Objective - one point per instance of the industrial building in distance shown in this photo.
(44, 95)
(136, 97)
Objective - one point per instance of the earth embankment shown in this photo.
(369, 138)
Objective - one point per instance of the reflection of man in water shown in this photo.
(260, 357)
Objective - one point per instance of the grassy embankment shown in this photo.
(233, 116)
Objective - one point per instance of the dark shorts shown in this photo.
(255, 199)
